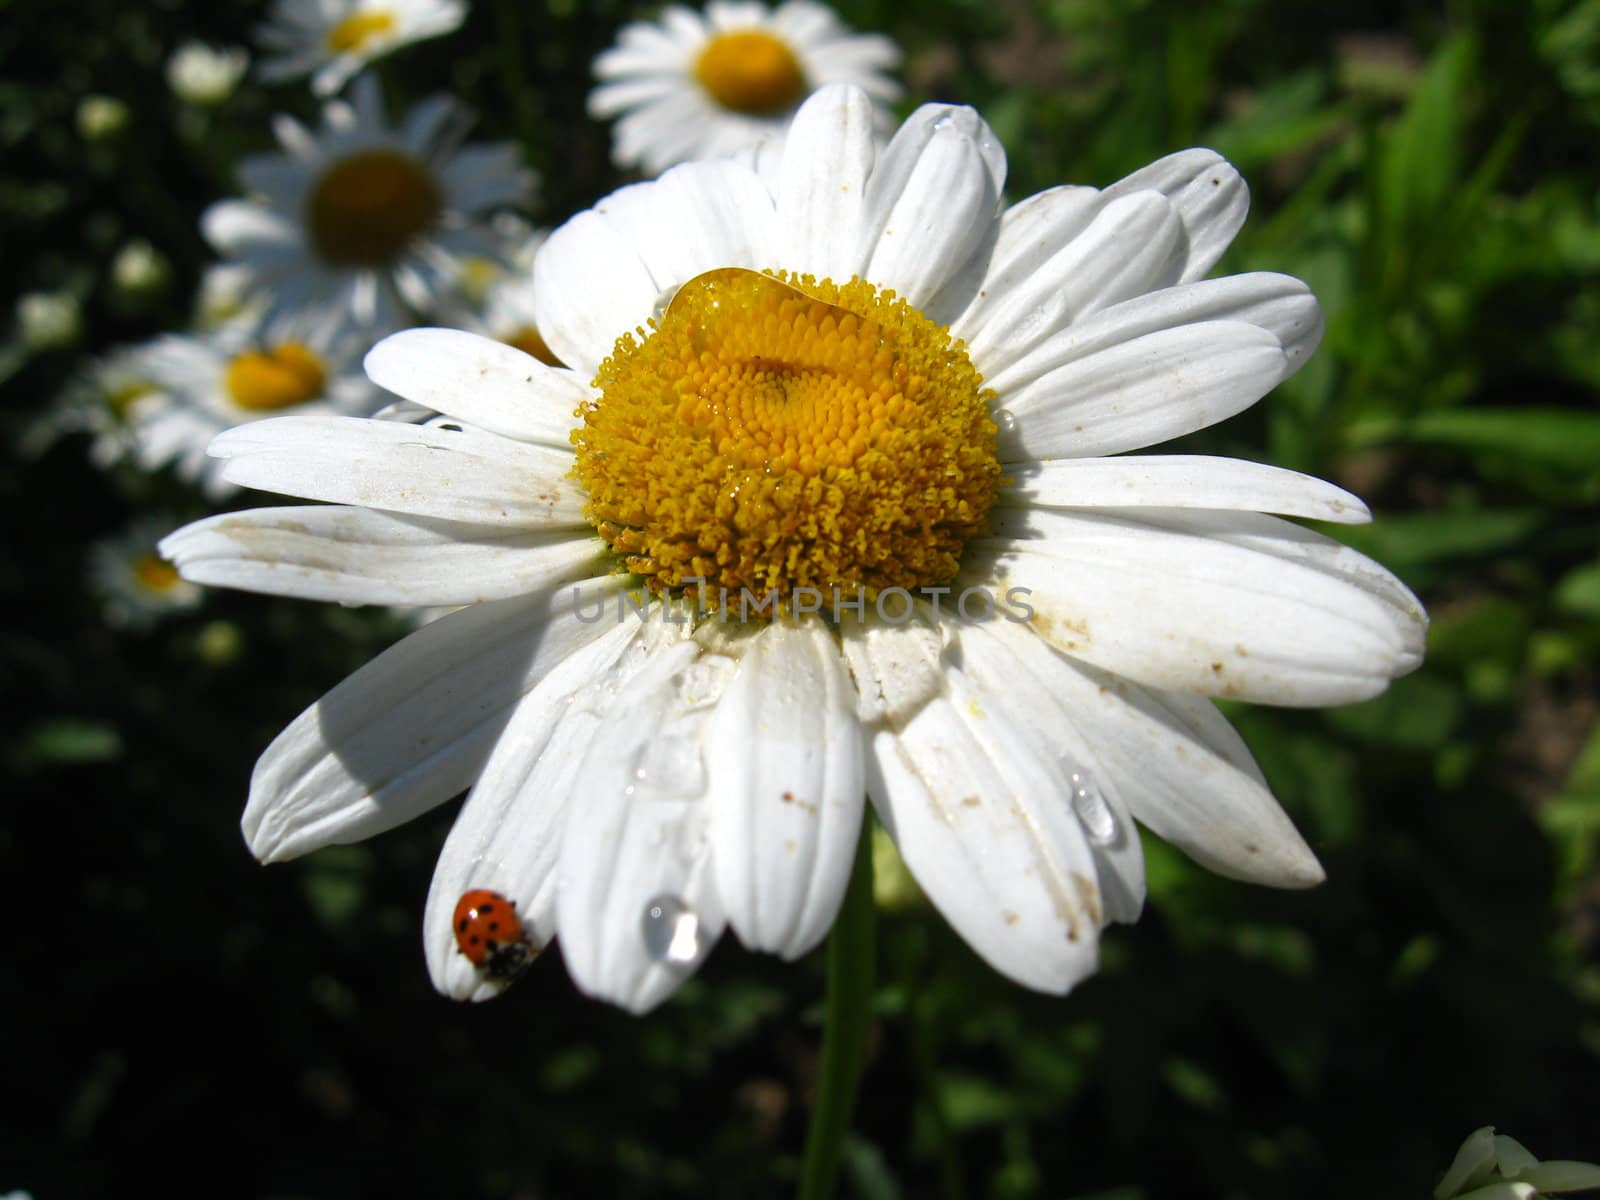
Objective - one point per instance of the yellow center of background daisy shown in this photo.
(530, 341)
(358, 29)
(366, 208)
(121, 400)
(476, 277)
(776, 432)
(750, 72)
(278, 377)
(153, 574)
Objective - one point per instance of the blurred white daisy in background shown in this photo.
(331, 40)
(49, 320)
(135, 585)
(103, 400)
(497, 300)
(936, 395)
(224, 301)
(362, 223)
(705, 85)
(206, 75)
(215, 381)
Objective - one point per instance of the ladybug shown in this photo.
(491, 935)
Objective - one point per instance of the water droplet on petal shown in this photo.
(671, 931)
(1006, 422)
(1091, 809)
(672, 766)
(703, 681)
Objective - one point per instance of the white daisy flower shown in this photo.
(359, 223)
(706, 85)
(925, 406)
(205, 75)
(217, 381)
(136, 586)
(223, 302)
(498, 302)
(331, 40)
(105, 400)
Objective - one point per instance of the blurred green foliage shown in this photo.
(1429, 169)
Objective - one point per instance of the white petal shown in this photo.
(611, 99)
(411, 728)
(695, 218)
(234, 227)
(997, 664)
(1029, 233)
(786, 788)
(638, 908)
(943, 213)
(487, 383)
(1179, 481)
(899, 181)
(507, 836)
(1172, 759)
(1211, 197)
(1213, 602)
(429, 470)
(589, 289)
(1137, 393)
(1280, 304)
(822, 186)
(975, 811)
(360, 556)
(1129, 248)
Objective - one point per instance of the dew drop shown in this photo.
(1007, 422)
(1091, 809)
(670, 767)
(702, 683)
(671, 931)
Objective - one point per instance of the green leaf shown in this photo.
(1418, 712)
(1563, 439)
(1282, 119)
(69, 742)
(868, 1171)
(1492, 629)
(1420, 161)
(1433, 537)
(1194, 1084)
(1579, 592)
(335, 882)
(969, 1101)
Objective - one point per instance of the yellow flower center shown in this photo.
(367, 207)
(775, 432)
(278, 377)
(122, 399)
(476, 277)
(153, 574)
(530, 341)
(357, 30)
(750, 71)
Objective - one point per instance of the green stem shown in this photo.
(851, 960)
(519, 94)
